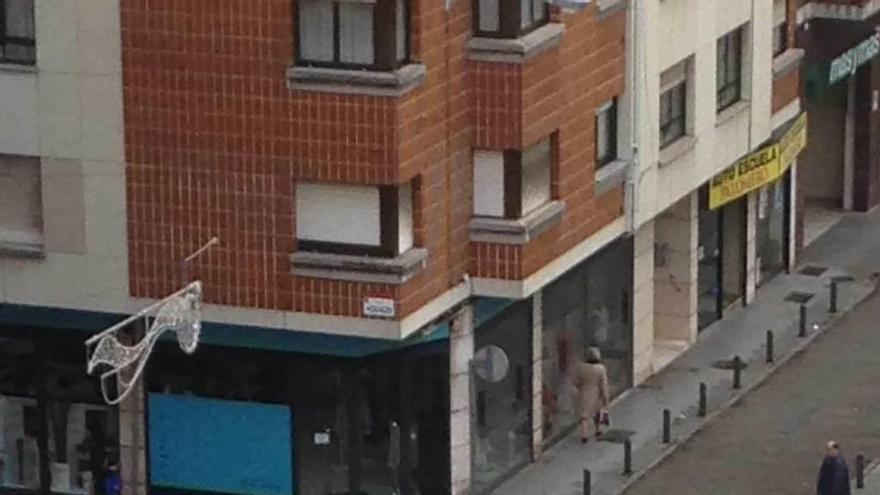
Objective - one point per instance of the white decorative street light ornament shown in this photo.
(180, 313)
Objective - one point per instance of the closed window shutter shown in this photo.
(356, 33)
(335, 213)
(526, 18)
(21, 210)
(536, 176)
(489, 16)
(400, 14)
(316, 30)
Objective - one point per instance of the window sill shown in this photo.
(368, 269)
(21, 250)
(12, 68)
(677, 149)
(611, 175)
(364, 82)
(609, 8)
(518, 50)
(731, 112)
(787, 61)
(519, 231)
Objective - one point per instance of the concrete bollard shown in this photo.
(860, 471)
(627, 457)
(832, 304)
(701, 412)
(667, 426)
(770, 353)
(802, 329)
(588, 482)
(737, 372)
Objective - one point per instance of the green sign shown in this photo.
(846, 64)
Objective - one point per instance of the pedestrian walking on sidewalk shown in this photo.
(834, 474)
(592, 386)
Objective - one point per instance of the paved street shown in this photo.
(772, 441)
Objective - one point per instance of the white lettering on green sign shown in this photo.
(846, 64)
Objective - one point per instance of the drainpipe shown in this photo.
(635, 67)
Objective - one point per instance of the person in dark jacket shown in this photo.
(834, 474)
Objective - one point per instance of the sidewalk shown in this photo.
(743, 333)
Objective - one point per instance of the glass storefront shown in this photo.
(772, 237)
(56, 433)
(502, 410)
(590, 306)
(720, 258)
(365, 426)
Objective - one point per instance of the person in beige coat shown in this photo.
(592, 385)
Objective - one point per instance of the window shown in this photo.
(512, 184)
(780, 39)
(21, 211)
(673, 114)
(606, 133)
(352, 219)
(729, 77)
(353, 34)
(17, 32)
(509, 18)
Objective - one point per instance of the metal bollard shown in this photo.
(702, 409)
(667, 426)
(627, 457)
(802, 331)
(860, 471)
(832, 305)
(588, 482)
(770, 354)
(737, 372)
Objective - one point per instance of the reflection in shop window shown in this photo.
(502, 436)
(588, 307)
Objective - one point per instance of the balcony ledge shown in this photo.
(787, 61)
(517, 231)
(364, 82)
(518, 50)
(367, 269)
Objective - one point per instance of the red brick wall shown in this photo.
(215, 141)
(560, 90)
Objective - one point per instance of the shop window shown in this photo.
(351, 219)
(512, 184)
(17, 32)
(780, 39)
(56, 434)
(729, 69)
(606, 133)
(509, 18)
(591, 306)
(673, 106)
(21, 212)
(369, 34)
(502, 409)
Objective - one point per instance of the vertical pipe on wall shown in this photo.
(849, 144)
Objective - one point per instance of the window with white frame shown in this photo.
(780, 27)
(729, 69)
(512, 184)
(606, 133)
(370, 34)
(21, 204)
(17, 43)
(354, 219)
(508, 18)
(673, 104)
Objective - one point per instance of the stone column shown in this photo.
(461, 353)
(537, 375)
(132, 444)
(643, 303)
(795, 228)
(849, 145)
(675, 275)
(752, 275)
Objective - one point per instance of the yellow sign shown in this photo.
(760, 168)
(793, 142)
